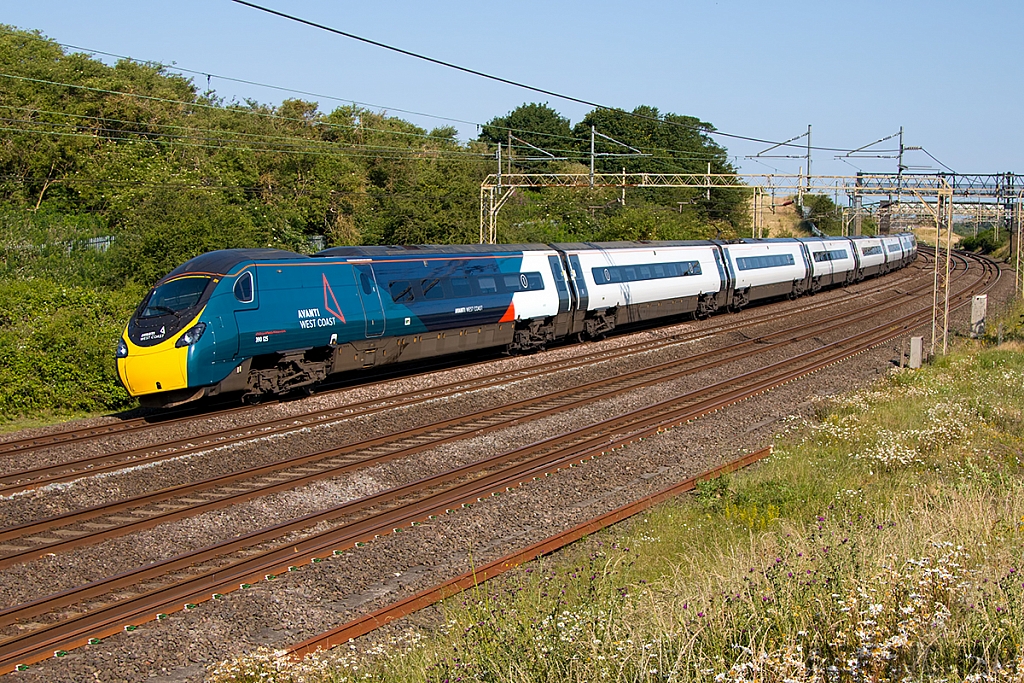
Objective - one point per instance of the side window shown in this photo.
(432, 289)
(512, 283)
(460, 287)
(401, 291)
(487, 285)
(243, 287)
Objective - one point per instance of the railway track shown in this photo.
(156, 593)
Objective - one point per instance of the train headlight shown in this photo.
(191, 336)
(122, 349)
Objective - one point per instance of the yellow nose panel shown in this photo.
(161, 370)
(150, 369)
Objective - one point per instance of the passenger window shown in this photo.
(401, 291)
(487, 285)
(534, 281)
(243, 287)
(460, 287)
(432, 289)
(512, 283)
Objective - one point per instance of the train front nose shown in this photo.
(152, 369)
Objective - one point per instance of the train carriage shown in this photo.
(894, 252)
(618, 283)
(909, 243)
(764, 269)
(449, 299)
(870, 256)
(833, 261)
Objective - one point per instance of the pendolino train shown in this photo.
(266, 321)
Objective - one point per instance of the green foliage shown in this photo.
(820, 210)
(56, 347)
(985, 242)
(536, 124)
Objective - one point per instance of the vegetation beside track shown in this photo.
(883, 541)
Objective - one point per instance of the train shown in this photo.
(264, 322)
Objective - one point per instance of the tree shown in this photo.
(820, 210)
(536, 124)
(668, 143)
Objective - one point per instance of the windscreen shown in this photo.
(174, 297)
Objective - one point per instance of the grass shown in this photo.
(883, 541)
(45, 419)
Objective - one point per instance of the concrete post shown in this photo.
(916, 352)
(979, 307)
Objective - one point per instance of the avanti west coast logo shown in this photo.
(310, 318)
(147, 336)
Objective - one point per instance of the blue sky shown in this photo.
(856, 71)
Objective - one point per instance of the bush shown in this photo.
(984, 243)
(57, 348)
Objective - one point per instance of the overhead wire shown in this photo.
(370, 191)
(573, 154)
(676, 153)
(175, 67)
(937, 161)
(339, 99)
(251, 111)
(370, 151)
(710, 130)
(232, 109)
(115, 133)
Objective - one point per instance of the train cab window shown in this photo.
(460, 287)
(243, 287)
(174, 297)
(432, 289)
(401, 291)
(487, 285)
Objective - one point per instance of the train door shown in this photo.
(858, 270)
(579, 286)
(560, 286)
(725, 275)
(369, 297)
(247, 323)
